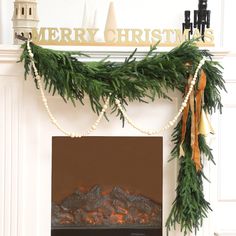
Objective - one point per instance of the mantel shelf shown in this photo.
(11, 53)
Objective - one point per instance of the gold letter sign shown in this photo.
(118, 37)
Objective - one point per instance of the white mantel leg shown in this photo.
(10, 155)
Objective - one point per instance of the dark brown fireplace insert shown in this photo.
(107, 186)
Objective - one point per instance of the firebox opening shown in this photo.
(106, 183)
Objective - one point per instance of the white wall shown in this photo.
(224, 203)
(131, 13)
(6, 11)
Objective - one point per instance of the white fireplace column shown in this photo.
(10, 145)
(18, 148)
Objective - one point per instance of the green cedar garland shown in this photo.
(147, 79)
(189, 208)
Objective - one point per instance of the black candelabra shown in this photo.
(187, 25)
(201, 19)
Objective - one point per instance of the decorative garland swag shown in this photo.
(184, 68)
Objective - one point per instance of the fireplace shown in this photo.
(106, 186)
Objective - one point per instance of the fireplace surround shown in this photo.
(26, 166)
(107, 186)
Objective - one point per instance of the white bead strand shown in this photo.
(171, 122)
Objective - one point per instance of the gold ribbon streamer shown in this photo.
(194, 105)
(198, 103)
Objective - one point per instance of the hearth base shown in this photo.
(102, 231)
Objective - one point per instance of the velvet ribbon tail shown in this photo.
(194, 105)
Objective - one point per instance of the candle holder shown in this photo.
(187, 25)
(202, 17)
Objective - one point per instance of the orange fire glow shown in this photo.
(109, 207)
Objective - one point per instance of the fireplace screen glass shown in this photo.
(107, 182)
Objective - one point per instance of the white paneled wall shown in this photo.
(25, 130)
(225, 200)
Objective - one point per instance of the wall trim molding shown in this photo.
(9, 53)
(225, 233)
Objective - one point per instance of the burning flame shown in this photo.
(119, 207)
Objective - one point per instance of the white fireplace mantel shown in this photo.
(11, 53)
(25, 142)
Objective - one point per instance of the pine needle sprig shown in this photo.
(133, 80)
(189, 207)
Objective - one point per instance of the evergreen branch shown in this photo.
(150, 78)
(190, 207)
